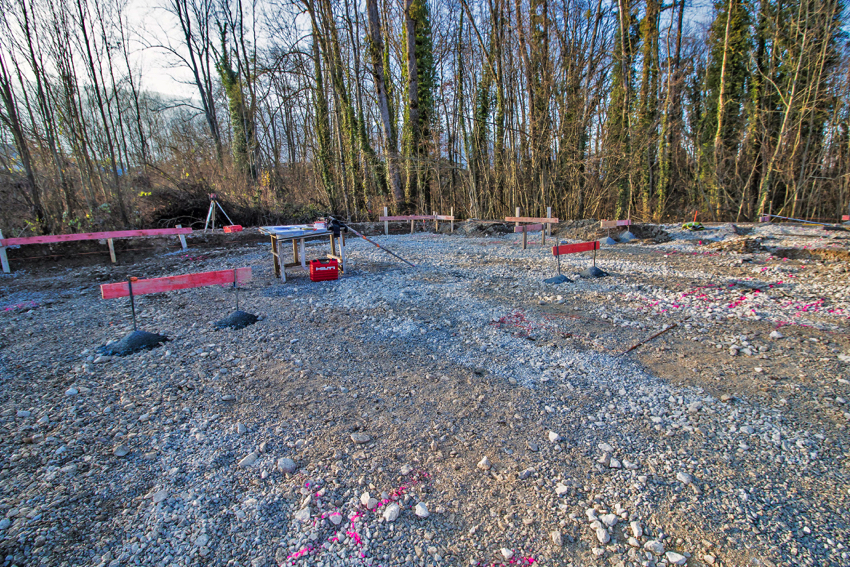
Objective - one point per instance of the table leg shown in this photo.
(280, 261)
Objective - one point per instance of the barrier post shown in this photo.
(436, 222)
(452, 214)
(3, 259)
(386, 223)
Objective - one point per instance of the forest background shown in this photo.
(596, 108)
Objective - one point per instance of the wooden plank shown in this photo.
(575, 248)
(407, 218)
(532, 219)
(173, 283)
(528, 228)
(51, 239)
(615, 223)
(445, 217)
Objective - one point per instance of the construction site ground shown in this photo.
(493, 419)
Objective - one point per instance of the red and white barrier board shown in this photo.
(173, 283)
(50, 239)
(108, 236)
(528, 228)
(575, 248)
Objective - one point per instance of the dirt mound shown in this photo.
(825, 254)
(588, 229)
(745, 245)
(482, 228)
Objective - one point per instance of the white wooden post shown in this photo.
(182, 237)
(411, 226)
(3, 259)
(386, 223)
(436, 222)
(111, 250)
(452, 214)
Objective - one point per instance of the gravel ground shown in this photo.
(459, 413)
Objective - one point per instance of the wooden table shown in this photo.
(297, 235)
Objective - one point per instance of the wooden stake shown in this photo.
(436, 222)
(524, 239)
(386, 223)
(181, 237)
(452, 214)
(111, 250)
(411, 226)
(3, 259)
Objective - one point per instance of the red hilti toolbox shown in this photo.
(233, 228)
(324, 270)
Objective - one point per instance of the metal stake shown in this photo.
(132, 303)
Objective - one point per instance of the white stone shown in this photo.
(360, 438)
(609, 520)
(684, 478)
(637, 529)
(286, 465)
(71, 392)
(391, 513)
(507, 553)
(121, 451)
(159, 496)
(557, 538)
(24, 413)
(554, 437)
(364, 498)
(614, 463)
(634, 542)
(776, 335)
(248, 460)
(708, 558)
(602, 535)
(202, 540)
(421, 510)
(654, 546)
(606, 448)
(675, 558)
(335, 518)
(240, 429)
(303, 515)
(484, 464)
(406, 470)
